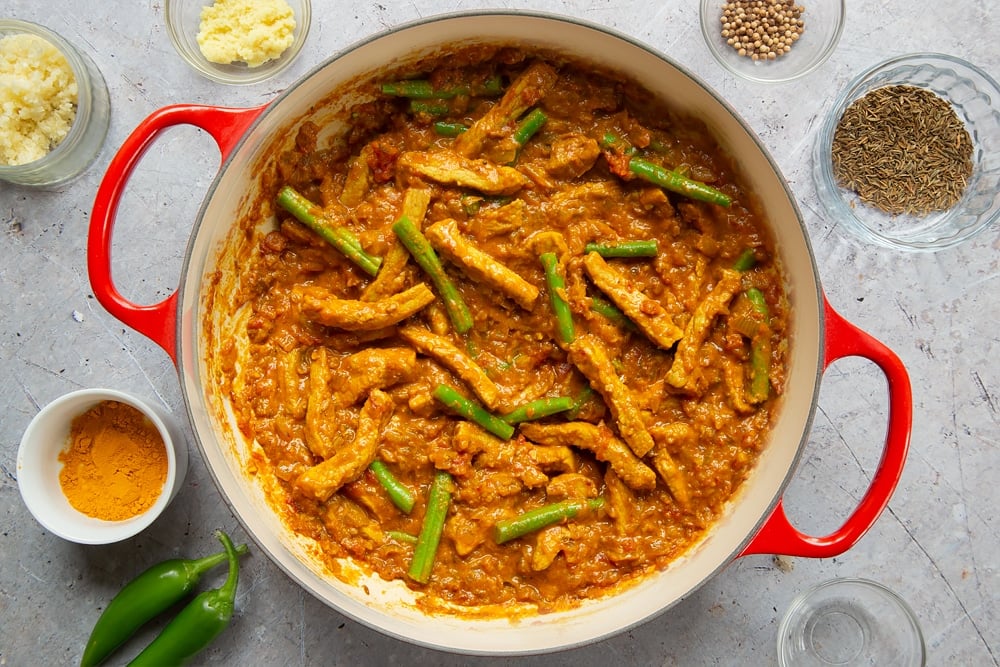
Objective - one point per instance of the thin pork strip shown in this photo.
(590, 357)
(448, 355)
(450, 168)
(599, 440)
(666, 435)
(481, 267)
(318, 405)
(524, 92)
(396, 270)
(324, 479)
(696, 331)
(374, 368)
(319, 305)
(648, 315)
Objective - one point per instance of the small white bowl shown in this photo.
(824, 23)
(38, 468)
(183, 18)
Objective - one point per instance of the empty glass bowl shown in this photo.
(848, 623)
(975, 98)
(823, 25)
(183, 18)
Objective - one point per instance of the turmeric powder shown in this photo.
(116, 463)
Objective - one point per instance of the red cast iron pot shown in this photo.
(189, 327)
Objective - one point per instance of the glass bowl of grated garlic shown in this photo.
(772, 41)
(238, 41)
(909, 155)
(63, 106)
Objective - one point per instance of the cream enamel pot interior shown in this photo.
(754, 523)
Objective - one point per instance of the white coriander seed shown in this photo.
(762, 29)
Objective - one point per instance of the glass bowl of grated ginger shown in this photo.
(238, 41)
(909, 155)
(98, 466)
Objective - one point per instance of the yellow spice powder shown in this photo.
(38, 97)
(249, 31)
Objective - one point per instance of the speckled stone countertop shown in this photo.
(937, 545)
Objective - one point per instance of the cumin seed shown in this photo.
(903, 149)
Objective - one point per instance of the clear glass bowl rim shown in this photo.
(792, 613)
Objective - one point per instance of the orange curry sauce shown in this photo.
(665, 423)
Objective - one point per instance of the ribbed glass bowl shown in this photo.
(183, 18)
(824, 23)
(975, 97)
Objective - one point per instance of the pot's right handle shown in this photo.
(156, 321)
(778, 535)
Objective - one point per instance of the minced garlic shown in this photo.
(249, 31)
(38, 96)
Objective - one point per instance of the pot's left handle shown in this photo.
(778, 535)
(156, 321)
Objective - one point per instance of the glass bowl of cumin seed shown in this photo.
(909, 155)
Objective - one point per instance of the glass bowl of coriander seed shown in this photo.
(772, 41)
(909, 155)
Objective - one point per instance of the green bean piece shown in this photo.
(543, 407)
(473, 411)
(295, 203)
(760, 351)
(746, 261)
(758, 301)
(401, 537)
(645, 248)
(398, 493)
(421, 89)
(431, 108)
(418, 245)
(671, 180)
(529, 125)
(611, 311)
(665, 178)
(154, 591)
(449, 129)
(438, 502)
(557, 287)
(580, 400)
(611, 140)
(760, 370)
(471, 204)
(534, 520)
(340, 238)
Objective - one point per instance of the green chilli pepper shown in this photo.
(142, 599)
(197, 624)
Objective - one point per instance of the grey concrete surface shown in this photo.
(937, 545)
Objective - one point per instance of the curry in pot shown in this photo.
(517, 337)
